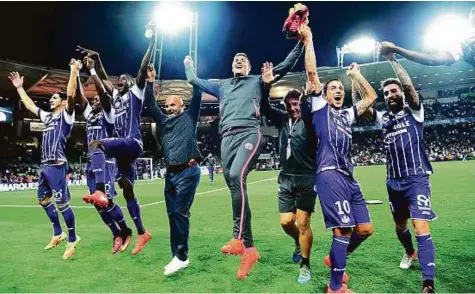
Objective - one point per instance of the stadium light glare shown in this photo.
(363, 45)
(171, 17)
(446, 31)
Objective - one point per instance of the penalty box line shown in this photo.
(144, 205)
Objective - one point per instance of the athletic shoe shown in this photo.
(248, 259)
(126, 238)
(328, 263)
(428, 289)
(234, 247)
(141, 241)
(97, 198)
(407, 260)
(55, 240)
(343, 289)
(176, 265)
(116, 243)
(297, 255)
(304, 275)
(71, 248)
(295, 20)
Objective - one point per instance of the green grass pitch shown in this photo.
(374, 267)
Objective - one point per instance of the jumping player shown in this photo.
(297, 145)
(343, 205)
(127, 101)
(239, 103)
(465, 50)
(54, 165)
(100, 125)
(408, 169)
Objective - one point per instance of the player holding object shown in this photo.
(127, 101)
(343, 205)
(211, 163)
(297, 145)
(54, 165)
(177, 133)
(100, 125)
(408, 169)
(239, 103)
(464, 50)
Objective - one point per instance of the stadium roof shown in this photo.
(42, 82)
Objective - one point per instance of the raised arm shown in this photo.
(17, 82)
(313, 85)
(430, 59)
(104, 96)
(368, 95)
(154, 111)
(356, 97)
(211, 88)
(79, 95)
(410, 92)
(275, 115)
(75, 66)
(142, 74)
(101, 72)
(195, 104)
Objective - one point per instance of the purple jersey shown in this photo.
(57, 129)
(333, 130)
(128, 109)
(403, 139)
(98, 125)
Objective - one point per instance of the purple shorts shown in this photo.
(109, 176)
(126, 151)
(52, 181)
(343, 204)
(410, 198)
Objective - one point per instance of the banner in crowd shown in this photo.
(33, 186)
(264, 156)
(450, 121)
(36, 127)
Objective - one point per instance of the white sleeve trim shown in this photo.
(318, 102)
(43, 114)
(115, 93)
(418, 114)
(351, 114)
(109, 116)
(137, 92)
(68, 118)
(87, 111)
(379, 118)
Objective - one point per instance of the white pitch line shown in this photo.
(144, 205)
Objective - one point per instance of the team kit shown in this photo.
(315, 139)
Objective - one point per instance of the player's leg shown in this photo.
(61, 195)
(229, 146)
(98, 164)
(250, 145)
(305, 203)
(363, 226)
(287, 209)
(44, 199)
(421, 214)
(186, 183)
(399, 206)
(335, 196)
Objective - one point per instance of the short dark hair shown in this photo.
(325, 87)
(62, 95)
(391, 81)
(244, 55)
(292, 94)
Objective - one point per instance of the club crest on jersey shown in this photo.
(57, 194)
(345, 219)
(249, 146)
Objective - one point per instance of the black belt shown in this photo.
(181, 167)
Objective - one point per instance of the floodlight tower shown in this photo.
(170, 19)
(363, 46)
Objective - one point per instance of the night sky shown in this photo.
(46, 33)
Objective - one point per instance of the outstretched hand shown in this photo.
(75, 65)
(88, 52)
(151, 73)
(353, 69)
(16, 79)
(387, 50)
(267, 73)
(188, 61)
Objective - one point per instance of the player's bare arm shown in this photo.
(410, 92)
(17, 82)
(368, 95)
(313, 82)
(104, 96)
(430, 59)
(101, 72)
(356, 97)
(142, 74)
(75, 67)
(79, 95)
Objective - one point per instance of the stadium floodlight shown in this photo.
(446, 31)
(360, 46)
(171, 17)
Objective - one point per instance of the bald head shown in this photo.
(174, 105)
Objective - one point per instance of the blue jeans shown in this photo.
(180, 189)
